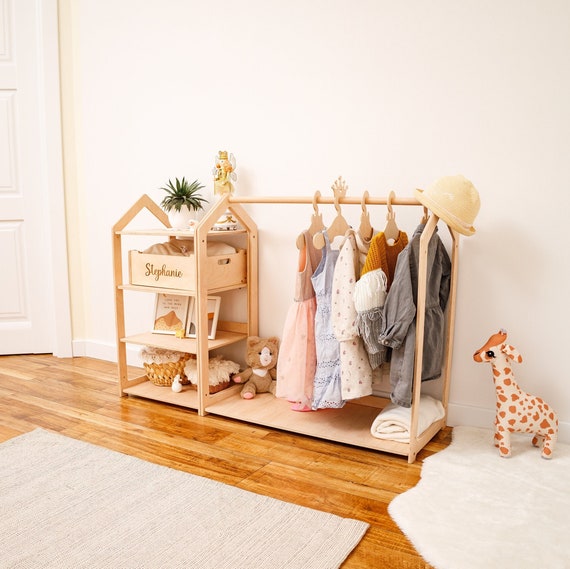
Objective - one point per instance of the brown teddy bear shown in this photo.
(261, 356)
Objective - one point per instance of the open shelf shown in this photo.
(349, 425)
(179, 291)
(188, 397)
(169, 342)
(169, 232)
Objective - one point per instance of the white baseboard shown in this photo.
(480, 417)
(105, 352)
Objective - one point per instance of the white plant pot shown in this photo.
(181, 219)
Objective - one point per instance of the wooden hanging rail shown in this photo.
(370, 200)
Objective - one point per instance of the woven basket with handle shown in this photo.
(162, 366)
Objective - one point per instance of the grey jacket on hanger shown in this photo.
(399, 332)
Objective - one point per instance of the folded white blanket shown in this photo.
(393, 422)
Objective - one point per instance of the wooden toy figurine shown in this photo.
(224, 173)
(517, 411)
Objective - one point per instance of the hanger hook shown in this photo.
(339, 189)
(391, 196)
(316, 198)
(363, 201)
(337, 204)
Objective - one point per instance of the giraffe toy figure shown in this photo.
(517, 411)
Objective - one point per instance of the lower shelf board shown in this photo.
(349, 425)
(188, 397)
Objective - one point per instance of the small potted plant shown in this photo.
(181, 202)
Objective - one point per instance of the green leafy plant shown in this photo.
(181, 193)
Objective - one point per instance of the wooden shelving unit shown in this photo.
(349, 425)
(227, 332)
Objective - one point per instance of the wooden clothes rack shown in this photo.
(349, 424)
(417, 440)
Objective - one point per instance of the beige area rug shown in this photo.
(473, 509)
(69, 504)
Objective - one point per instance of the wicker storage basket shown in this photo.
(162, 366)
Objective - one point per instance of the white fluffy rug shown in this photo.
(473, 509)
(67, 504)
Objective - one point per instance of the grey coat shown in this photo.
(399, 330)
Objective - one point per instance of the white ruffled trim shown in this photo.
(152, 355)
(219, 371)
(370, 290)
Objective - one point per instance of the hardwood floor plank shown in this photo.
(311, 460)
(79, 397)
(325, 492)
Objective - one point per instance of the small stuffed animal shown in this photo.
(176, 384)
(261, 356)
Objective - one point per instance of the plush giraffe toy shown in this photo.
(517, 411)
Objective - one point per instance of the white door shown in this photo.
(31, 187)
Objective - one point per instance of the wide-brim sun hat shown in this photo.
(453, 199)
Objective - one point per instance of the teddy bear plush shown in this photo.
(261, 357)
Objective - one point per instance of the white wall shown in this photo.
(390, 95)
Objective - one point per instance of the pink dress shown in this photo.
(297, 360)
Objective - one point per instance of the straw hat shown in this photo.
(453, 199)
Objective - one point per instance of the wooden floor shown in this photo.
(79, 397)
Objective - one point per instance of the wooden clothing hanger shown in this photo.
(317, 224)
(391, 231)
(365, 230)
(339, 225)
